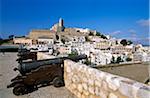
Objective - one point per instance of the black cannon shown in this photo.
(34, 74)
(25, 54)
(26, 67)
(22, 50)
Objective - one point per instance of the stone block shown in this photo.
(66, 83)
(85, 86)
(83, 96)
(69, 77)
(75, 92)
(75, 79)
(73, 66)
(91, 90)
(103, 94)
(113, 83)
(144, 92)
(104, 85)
(91, 82)
(85, 92)
(97, 91)
(68, 69)
(80, 68)
(135, 88)
(84, 69)
(93, 96)
(84, 79)
(102, 75)
(74, 86)
(78, 95)
(126, 88)
(98, 83)
(90, 71)
(111, 95)
(97, 76)
(80, 88)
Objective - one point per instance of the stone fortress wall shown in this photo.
(87, 82)
(35, 34)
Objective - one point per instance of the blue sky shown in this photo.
(118, 18)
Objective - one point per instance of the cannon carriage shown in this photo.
(38, 73)
(30, 81)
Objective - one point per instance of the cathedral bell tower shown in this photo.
(61, 22)
(61, 25)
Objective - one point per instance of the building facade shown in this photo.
(45, 40)
(23, 40)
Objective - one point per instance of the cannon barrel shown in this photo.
(26, 67)
(23, 51)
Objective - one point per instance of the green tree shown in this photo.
(128, 59)
(119, 60)
(98, 34)
(103, 36)
(73, 53)
(113, 60)
(116, 42)
(87, 62)
(57, 37)
(129, 42)
(123, 42)
(11, 36)
(91, 34)
(63, 41)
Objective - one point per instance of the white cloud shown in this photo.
(143, 22)
(142, 40)
(132, 31)
(116, 32)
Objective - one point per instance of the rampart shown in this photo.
(87, 82)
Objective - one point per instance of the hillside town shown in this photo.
(60, 41)
(74, 49)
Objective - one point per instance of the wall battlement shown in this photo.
(87, 82)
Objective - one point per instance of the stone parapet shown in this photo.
(87, 82)
(41, 56)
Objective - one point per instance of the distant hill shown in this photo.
(146, 45)
(5, 41)
(1, 38)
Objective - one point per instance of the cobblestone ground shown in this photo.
(7, 63)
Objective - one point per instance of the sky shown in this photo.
(127, 19)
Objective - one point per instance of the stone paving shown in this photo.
(138, 72)
(7, 63)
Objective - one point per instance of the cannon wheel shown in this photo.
(20, 89)
(58, 82)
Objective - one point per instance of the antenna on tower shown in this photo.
(61, 22)
(61, 25)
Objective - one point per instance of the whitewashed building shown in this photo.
(64, 50)
(23, 40)
(45, 40)
(79, 39)
(121, 49)
(141, 56)
(99, 58)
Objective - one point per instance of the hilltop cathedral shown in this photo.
(57, 32)
(57, 29)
